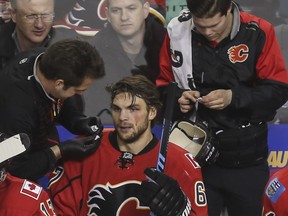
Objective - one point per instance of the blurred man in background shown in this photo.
(129, 44)
(30, 26)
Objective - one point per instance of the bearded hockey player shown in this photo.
(113, 180)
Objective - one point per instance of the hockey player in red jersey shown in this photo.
(20, 196)
(113, 180)
(276, 195)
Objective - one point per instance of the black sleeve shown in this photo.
(261, 101)
(72, 110)
(33, 165)
(177, 114)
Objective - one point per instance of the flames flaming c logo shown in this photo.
(238, 53)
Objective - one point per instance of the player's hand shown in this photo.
(79, 147)
(188, 100)
(163, 195)
(217, 99)
(88, 126)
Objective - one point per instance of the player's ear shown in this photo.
(146, 7)
(152, 113)
(107, 14)
(13, 14)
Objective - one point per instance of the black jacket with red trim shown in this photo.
(25, 108)
(248, 61)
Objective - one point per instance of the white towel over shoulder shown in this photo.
(179, 30)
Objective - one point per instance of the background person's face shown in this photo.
(127, 17)
(37, 31)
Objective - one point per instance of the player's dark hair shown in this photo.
(138, 86)
(72, 61)
(208, 8)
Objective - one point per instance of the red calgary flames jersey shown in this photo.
(22, 197)
(107, 182)
(276, 194)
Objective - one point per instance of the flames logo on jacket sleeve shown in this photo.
(238, 53)
(111, 199)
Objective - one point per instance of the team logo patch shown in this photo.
(177, 58)
(238, 53)
(125, 160)
(30, 189)
(186, 15)
(274, 190)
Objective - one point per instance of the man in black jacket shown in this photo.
(36, 88)
(130, 43)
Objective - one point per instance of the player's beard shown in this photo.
(135, 135)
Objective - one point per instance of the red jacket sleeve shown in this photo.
(166, 73)
(271, 64)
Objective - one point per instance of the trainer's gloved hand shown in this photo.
(79, 147)
(163, 195)
(88, 126)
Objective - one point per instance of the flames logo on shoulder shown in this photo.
(238, 53)
(111, 199)
(177, 58)
(185, 16)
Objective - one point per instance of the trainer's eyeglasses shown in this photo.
(31, 18)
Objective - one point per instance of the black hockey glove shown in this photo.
(79, 147)
(163, 195)
(88, 126)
